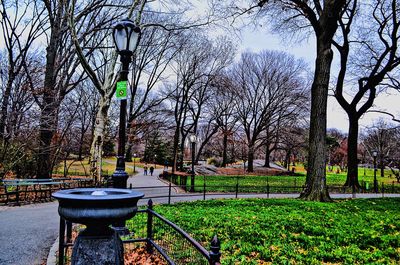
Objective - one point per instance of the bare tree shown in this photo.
(195, 66)
(222, 108)
(158, 47)
(21, 24)
(382, 138)
(371, 58)
(268, 87)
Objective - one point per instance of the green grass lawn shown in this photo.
(251, 183)
(286, 231)
(79, 168)
(258, 183)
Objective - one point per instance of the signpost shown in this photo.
(121, 91)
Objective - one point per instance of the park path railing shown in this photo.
(16, 191)
(161, 237)
(172, 193)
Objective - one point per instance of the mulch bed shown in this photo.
(257, 172)
(134, 254)
(139, 255)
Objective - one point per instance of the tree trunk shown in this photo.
(382, 165)
(4, 106)
(250, 159)
(287, 160)
(352, 161)
(128, 153)
(175, 150)
(81, 140)
(181, 154)
(267, 154)
(225, 151)
(49, 110)
(48, 127)
(315, 187)
(96, 149)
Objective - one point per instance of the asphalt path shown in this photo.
(27, 232)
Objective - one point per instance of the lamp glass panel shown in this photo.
(120, 38)
(192, 138)
(133, 40)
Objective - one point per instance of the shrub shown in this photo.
(216, 161)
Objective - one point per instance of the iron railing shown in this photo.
(176, 193)
(160, 236)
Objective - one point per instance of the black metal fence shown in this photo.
(16, 191)
(160, 236)
(175, 193)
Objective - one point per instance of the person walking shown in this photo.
(145, 170)
(151, 170)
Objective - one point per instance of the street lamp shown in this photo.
(374, 155)
(134, 163)
(155, 159)
(193, 140)
(126, 37)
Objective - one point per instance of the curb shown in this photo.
(177, 190)
(52, 257)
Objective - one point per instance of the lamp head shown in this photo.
(126, 36)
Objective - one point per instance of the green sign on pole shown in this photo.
(121, 92)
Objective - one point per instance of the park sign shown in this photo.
(121, 91)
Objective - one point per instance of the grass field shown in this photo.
(251, 183)
(108, 166)
(257, 231)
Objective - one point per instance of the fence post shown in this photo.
(215, 255)
(204, 191)
(169, 193)
(130, 186)
(237, 190)
(353, 191)
(393, 186)
(383, 190)
(69, 231)
(267, 190)
(149, 226)
(61, 242)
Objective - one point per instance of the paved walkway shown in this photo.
(27, 232)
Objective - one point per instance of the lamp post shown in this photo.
(126, 37)
(155, 159)
(374, 155)
(193, 140)
(134, 163)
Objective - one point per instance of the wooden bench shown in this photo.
(17, 190)
(83, 182)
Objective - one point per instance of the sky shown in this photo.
(259, 39)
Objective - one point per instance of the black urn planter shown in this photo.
(97, 208)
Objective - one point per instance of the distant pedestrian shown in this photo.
(151, 170)
(145, 170)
